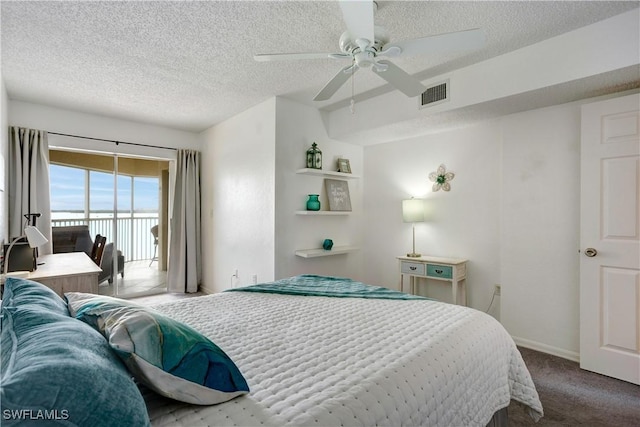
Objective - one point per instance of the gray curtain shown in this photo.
(185, 267)
(29, 182)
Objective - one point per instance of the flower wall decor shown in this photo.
(441, 178)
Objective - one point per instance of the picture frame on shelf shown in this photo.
(344, 166)
(338, 194)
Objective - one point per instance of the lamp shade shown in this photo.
(34, 236)
(413, 210)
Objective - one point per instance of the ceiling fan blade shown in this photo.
(399, 79)
(358, 16)
(336, 83)
(268, 57)
(457, 41)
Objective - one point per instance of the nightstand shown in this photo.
(452, 270)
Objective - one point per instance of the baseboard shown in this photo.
(549, 349)
(205, 290)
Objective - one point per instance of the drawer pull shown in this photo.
(439, 271)
(413, 268)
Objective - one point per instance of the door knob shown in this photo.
(590, 252)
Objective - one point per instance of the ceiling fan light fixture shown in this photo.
(380, 68)
(364, 59)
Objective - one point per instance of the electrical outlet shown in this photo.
(235, 279)
(497, 290)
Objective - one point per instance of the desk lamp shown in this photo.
(35, 239)
(413, 211)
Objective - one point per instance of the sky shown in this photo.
(68, 186)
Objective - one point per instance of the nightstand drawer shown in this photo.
(443, 271)
(415, 268)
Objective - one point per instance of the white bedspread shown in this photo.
(348, 361)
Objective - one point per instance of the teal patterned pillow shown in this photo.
(164, 354)
(58, 370)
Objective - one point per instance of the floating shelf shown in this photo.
(323, 212)
(319, 172)
(337, 250)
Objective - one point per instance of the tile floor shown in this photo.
(139, 277)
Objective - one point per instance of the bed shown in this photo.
(344, 353)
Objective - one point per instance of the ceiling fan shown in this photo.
(364, 43)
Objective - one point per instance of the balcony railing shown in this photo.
(134, 234)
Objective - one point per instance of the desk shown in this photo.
(452, 270)
(67, 272)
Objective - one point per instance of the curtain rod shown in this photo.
(111, 140)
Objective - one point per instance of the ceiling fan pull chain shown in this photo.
(352, 106)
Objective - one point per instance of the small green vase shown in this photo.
(313, 204)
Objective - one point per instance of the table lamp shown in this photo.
(413, 211)
(35, 239)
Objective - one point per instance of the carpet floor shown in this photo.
(571, 396)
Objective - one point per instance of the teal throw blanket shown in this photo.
(326, 286)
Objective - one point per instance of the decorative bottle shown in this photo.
(313, 204)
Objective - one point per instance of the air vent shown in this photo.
(435, 94)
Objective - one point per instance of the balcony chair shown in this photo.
(154, 232)
(106, 264)
(98, 249)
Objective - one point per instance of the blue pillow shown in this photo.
(164, 354)
(18, 292)
(57, 370)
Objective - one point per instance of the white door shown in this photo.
(610, 238)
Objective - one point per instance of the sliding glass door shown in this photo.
(120, 198)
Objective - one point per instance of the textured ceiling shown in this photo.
(189, 65)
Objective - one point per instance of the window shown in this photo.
(82, 196)
(67, 192)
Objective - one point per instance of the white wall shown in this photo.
(513, 211)
(94, 126)
(462, 223)
(4, 158)
(251, 192)
(298, 126)
(238, 198)
(540, 228)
